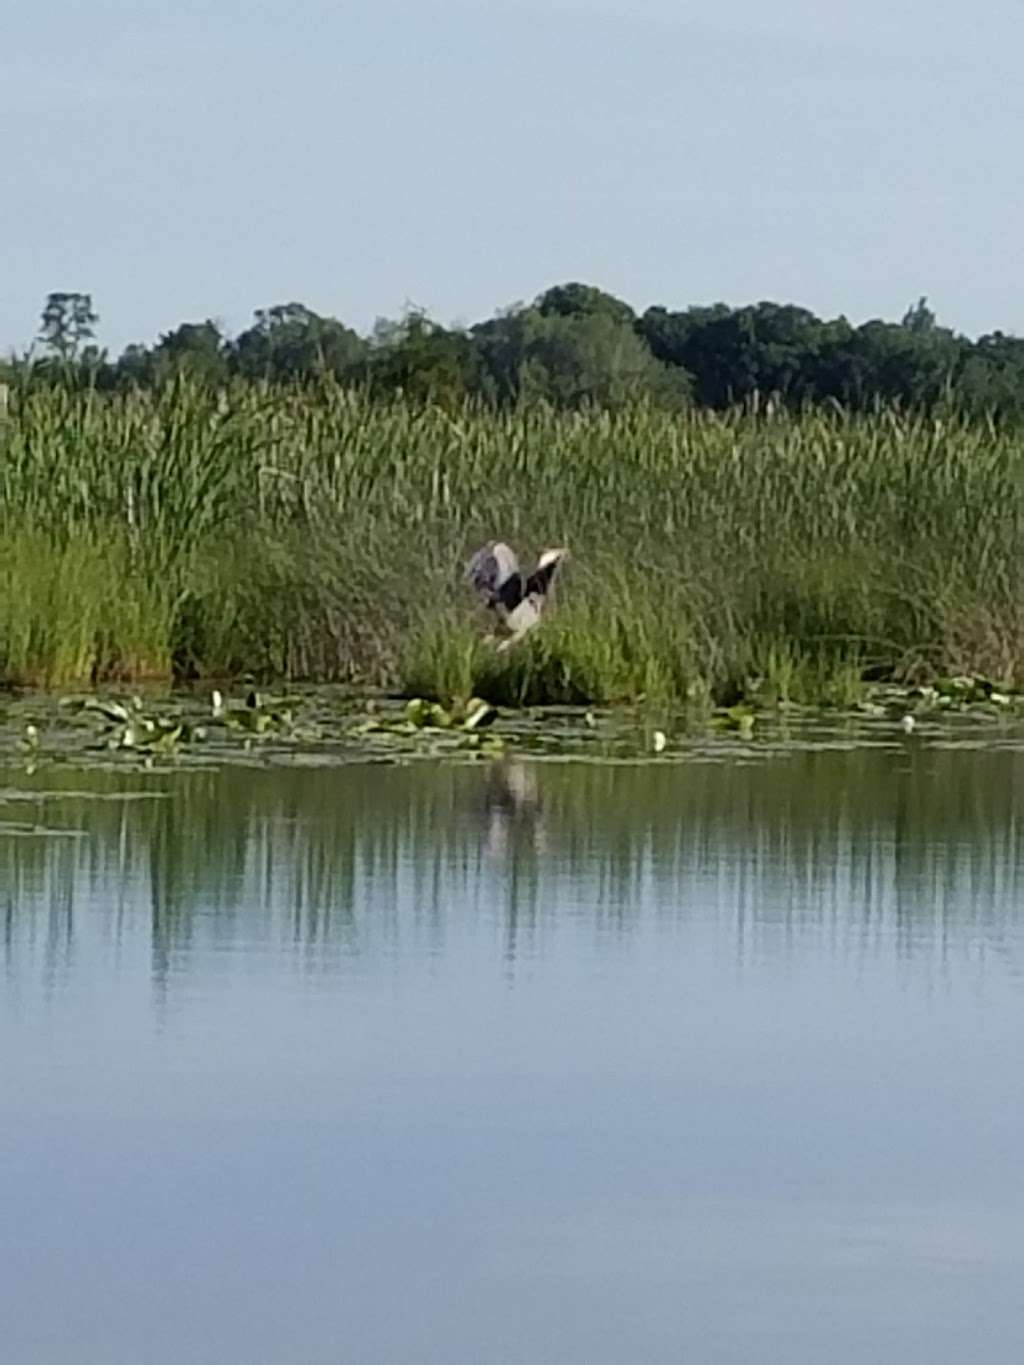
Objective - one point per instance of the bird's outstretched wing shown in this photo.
(540, 580)
(494, 572)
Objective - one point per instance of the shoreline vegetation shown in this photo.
(316, 531)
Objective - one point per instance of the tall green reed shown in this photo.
(310, 532)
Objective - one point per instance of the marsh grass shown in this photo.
(78, 611)
(309, 533)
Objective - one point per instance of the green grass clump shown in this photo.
(78, 611)
(312, 533)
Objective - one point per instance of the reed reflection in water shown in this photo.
(514, 1061)
(857, 850)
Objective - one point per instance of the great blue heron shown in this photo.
(515, 598)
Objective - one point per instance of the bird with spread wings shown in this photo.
(517, 599)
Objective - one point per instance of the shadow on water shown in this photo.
(868, 850)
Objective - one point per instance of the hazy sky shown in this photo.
(196, 159)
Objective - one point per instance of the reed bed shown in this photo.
(313, 533)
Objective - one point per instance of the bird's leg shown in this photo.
(511, 640)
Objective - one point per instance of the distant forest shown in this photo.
(575, 346)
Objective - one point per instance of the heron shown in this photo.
(517, 599)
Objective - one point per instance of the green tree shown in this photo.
(576, 300)
(68, 322)
(135, 367)
(291, 342)
(594, 359)
(894, 363)
(196, 348)
(421, 359)
(499, 348)
(571, 359)
(919, 318)
(990, 381)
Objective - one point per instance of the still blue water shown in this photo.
(515, 1063)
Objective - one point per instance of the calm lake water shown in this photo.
(710, 1062)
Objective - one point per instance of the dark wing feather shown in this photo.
(540, 580)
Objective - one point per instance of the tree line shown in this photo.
(574, 346)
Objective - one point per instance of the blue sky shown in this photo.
(192, 160)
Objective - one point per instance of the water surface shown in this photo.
(512, 1061)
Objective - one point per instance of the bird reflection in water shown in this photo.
(512, 809)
